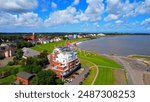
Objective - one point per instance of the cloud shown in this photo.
(70, 15)
(120, 8)
(119, 22)
(76, 2)
(82, 17)
(7, 19)
(28, 19)
(96, 24)
(127, 9)
(93, 12)
(62, 17)
(111, 17)
(143, 7)
(53, 5)
(18, 6)
(146, 22)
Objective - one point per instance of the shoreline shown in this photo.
(134, 73)
(80, 42)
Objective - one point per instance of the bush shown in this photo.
(14, 71)
(11, 63)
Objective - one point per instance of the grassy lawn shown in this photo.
(97, 59)
(50, 46)
(7, 68)
(105, 77)
(11, 78)
(89, 79)
(85, 63)
(8, 80)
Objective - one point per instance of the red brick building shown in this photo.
(29, 37)
(23, 78)
(64, 61)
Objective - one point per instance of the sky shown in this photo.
(131, 16)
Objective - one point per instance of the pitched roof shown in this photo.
(24, 75)
(27, 52)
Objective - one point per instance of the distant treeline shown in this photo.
(66, 33)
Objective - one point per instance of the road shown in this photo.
(134, 69)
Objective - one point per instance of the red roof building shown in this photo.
(29, 37)
(23, 78)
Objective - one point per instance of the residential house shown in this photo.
(28, 52)
(24, 78)
(7, 50)
(29, 37)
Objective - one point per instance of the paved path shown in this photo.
(97, 72)
(134, 69)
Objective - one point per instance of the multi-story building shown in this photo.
(64, 61)
(7, 50)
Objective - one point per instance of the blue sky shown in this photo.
(75, 16)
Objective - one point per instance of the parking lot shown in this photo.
(78, 77)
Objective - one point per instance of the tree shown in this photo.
(46, 78)
(42, 58)
(32, 65)
(59, 82)
(11, 63)
(23, 43)
(19, 54)
(17, 59)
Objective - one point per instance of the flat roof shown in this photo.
(65, 48)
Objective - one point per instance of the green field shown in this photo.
(7, 68)
(11, 78)
(105, 75)
(8, 80)
(93, 71)
(89, 79)
(97, 59)
(50, 46)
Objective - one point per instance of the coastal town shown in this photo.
(39, 59)
(62, 62)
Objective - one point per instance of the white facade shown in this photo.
(65, 57)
